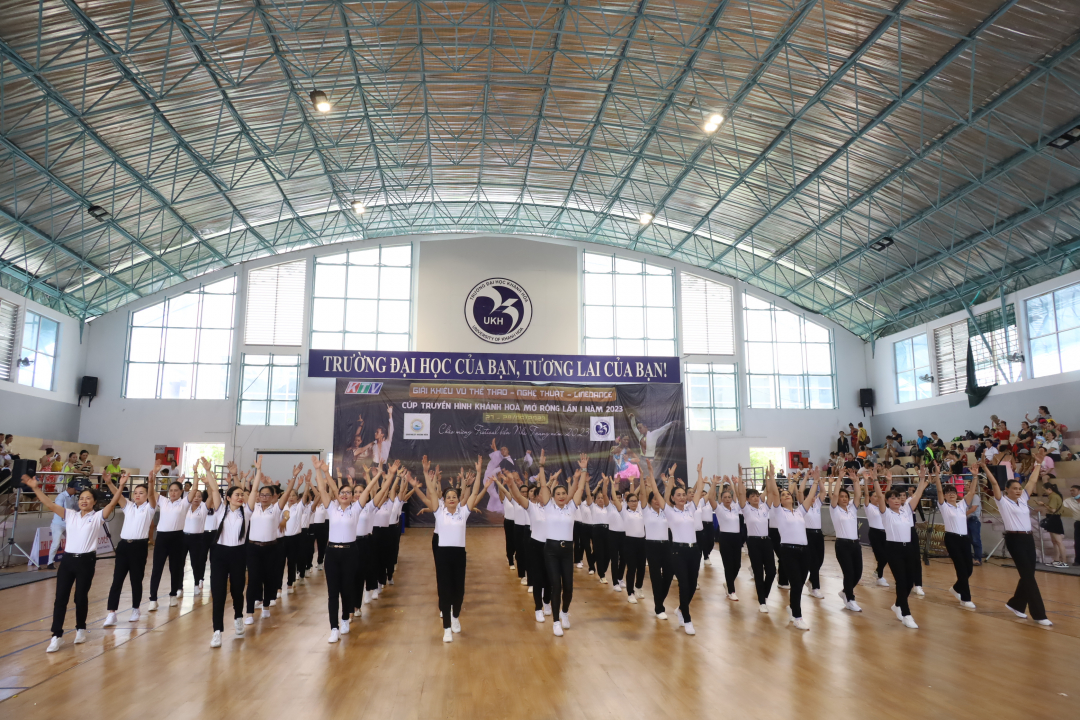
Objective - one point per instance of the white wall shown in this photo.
(949, 414)
(28, 411)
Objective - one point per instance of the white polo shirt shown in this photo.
(295, 523)
(264, 523)
(897, 528)
(365, 518)
(560, 520)
(845, 522)
(791, 524)
(232, 524)
(955, 516)
(656, 527)
(451, 526)
(873, 517)
(136, 521)
(1015, 515)
(318, 516)
(813, 515)
(728, 518)
(82, 531)
(757, 519)
(342, 523)
(173, 513)
(614, 519)
(683, 524)
(633, 522)
(195, 519)
(537, 521)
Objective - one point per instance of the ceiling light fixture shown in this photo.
(320, 101)
(714, 122)
(358, 207)
(98, 213)
(882, 244)
(645, 218)
(1066, 139)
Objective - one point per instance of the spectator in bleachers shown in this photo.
(69, 466)
(921, 441)
(842, 444)
(1072, 504)
(1052, 445)
(84, 467)
(1043, 416)
(1052, 522)
(5, 447)
(936, 442)
(1003, 435)
(853, 433)
(892, 447)
(1044, 461)
(1025, 438)
(113, 468)
(864, 437)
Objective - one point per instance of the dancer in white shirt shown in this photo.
(896, 513)
(954, 514)
(559, 507)
(844, 511)
(790, 518)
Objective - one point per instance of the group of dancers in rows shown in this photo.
(258, 534)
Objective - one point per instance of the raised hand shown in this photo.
(583, 461)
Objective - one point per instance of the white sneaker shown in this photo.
(708, 561)
(733, 596)
(896, 611)
(529, 590)
(135, 615)
(173, 601)
(1046, 622)
(616, 587)
(200, 585)
(800, 624)
(524, 581)
(817, 593)
(276, 597)
(919, 591)
(843, 598)
(447, 635)
(678, 614)
(547, 609)
(513, 566)
(273, 603)
(180, 593)
(81, 636)
(579, 565)
(784, 587)
(335, 635)
(152, 606)
(1017, 613)
(343, 625)
(258, 604)
(661, 616)
(289, 589)
(238, 627)
(375, 594)
(967, 604)
(455, 625)
(319, 566)
(603, 581)
(955, 594)
(215, 641)
(249, 619)
(197, 591)
(265, 613)
(909, 622)
(539, 616)
(110, 620)
(565, 620)
(367, 597)
(631, 599)
(591, 571)
(853, 606)
(54, 645)
(391, 581)
(557, 629)
(763, 608)
(698, 585)
(640, 595)
(689, 628)
(882, 582)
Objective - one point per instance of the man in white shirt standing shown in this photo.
(648, 438)
(383, 439)
(68, 500)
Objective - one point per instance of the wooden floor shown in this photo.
(617, 661)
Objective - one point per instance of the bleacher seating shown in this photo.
(30, 448)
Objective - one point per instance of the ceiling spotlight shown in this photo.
(714, 122)
(358, 207)
(711, 127)
(320, 101)
(882, 244)
(98, 213)
(645, 218)
(1066, 139)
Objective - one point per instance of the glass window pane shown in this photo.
(397, 255)
(818, 360)
(394, 283)
(597, 346)
(905, 387)
(361, 315)
(924, 388)
(697, 367)
(920, 351)
(761, 391)
(1044, 356)
(145, 345)
(657, 270)
(176, 381)
(699, 418)
(150, 317)
(815, 333)
(792, 393)
(629, 347)
(254, 382)
(256, 359)
(629, 322)
(183, 311)
(283, 383)
(1067, 305)
(599, 321)
(788, 326)
(758, 325)
(180, 345)
(329, 280)
(753, 303)
(361, 341)
(660, 323)
(43, 372)
(282, 413)
(394, 316)
(252, 412)
(598, 290)
(1069, 350)
(326, 341)
(659, 291)
(724, 391)
(759, 357)
(902, 351)
(595, 263)
(367, 256)
(47, 336)
(141, 380)
(363, 282)
(698, 390)
(217, 311)
(1040, 312)
(215, 346)
(628, 290)
(660, 348)
(389, 341)
(627, 266)
(213, 382)
(725, 420)
(789, 357)
(821, 392)
(333, 259)
(327, 315)
(225, 287)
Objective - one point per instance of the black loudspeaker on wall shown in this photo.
(22, 467)
(866, 399)
(88, 388)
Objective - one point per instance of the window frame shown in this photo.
(917, 384)
(269, 399)
(710, 318)
(711, 372)
(1056, 333)
(275, 311)
(36, 351)
(614, 304)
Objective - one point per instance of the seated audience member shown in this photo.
(1072, 504)
(1043, 460)
(921, 441)
(936, 442)
(1043, 416)
(1052, 445)
(1025, 437)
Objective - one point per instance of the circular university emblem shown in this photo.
(498, 310)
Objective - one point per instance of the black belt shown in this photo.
(814, 530)
(79, 555)
(600, 525)
(956, 534)
(846, 540)
(906, 542)
(1017, 532)
(340, 546)
(263, 544)
(140, 540)
(559, 543)
(683, 545)
(792, 545)
(658, 542)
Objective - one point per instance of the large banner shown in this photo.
(43, 539)
(507, 425)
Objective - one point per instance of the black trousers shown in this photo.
(168, 546)
(130, 562)
(633, 557)
(559, 557)
(731, 555)
(600, 548)
(760, 551)
(77, 571)
(684, 566)
(781, 569)
(450, 579)
(579, 540)
(586, 546)
(378, 554)
(913, 548)
(1022, 548)
(903, 564)
(522, 537)
(294, 556)
(658, 553)
(227, 570)
(371, 569)
(615, 541)
(793, 557)
(281, 559)
(538, 574)
(196, 546)
(959, 549)
(705, 539)
(877, 544)
(815, 548)
(261, 563)
(308, 541)
(393, 544)
(340, 565)
(508, 531)
(361, 569)
(849, 556)
(321, 531)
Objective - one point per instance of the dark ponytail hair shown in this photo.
(1052, 488)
